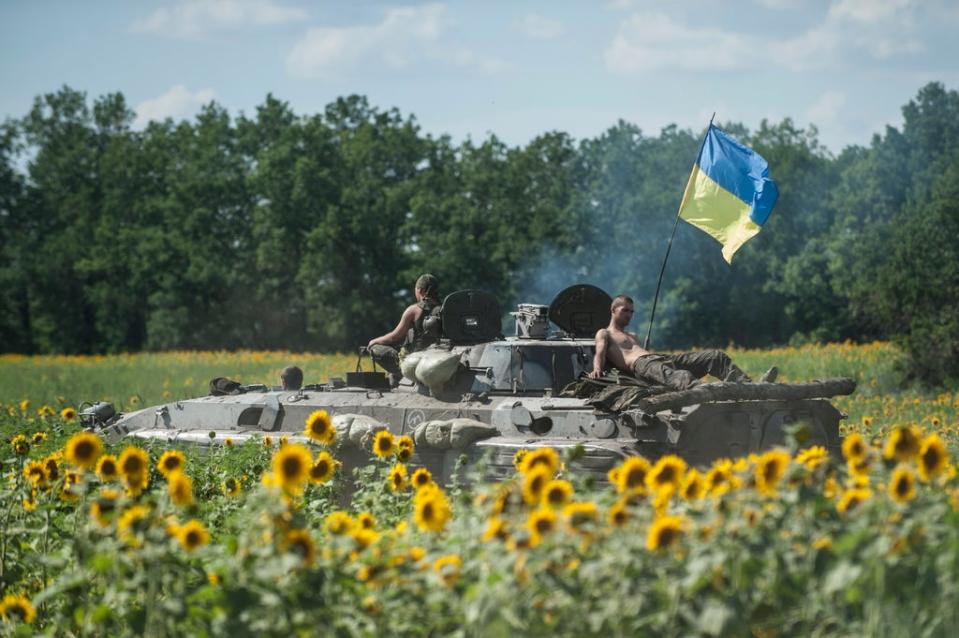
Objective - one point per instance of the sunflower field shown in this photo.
(260, 538)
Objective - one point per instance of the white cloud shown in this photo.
(540, 27)
(654, 41)
(177, 103)
(403, 37)
(869, 11)
(189, 18)
(780, 5)
(826, 108)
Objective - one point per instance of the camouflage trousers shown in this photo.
(387, 358)
(683, 371)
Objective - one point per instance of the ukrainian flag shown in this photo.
(729, 194)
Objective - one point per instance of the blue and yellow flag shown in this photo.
(729, 194)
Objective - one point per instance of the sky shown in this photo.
(515, 69)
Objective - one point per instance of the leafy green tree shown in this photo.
(62, 201)
(355, 251)
(917, 296)
(15, 331)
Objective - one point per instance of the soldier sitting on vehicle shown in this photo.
(410, 332)
(677, 372)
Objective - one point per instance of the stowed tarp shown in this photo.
(613, 392)
(617, 391)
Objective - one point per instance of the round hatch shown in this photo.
(581, 310)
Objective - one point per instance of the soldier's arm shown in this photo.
(398, 334)
(599, 359)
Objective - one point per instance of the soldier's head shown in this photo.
(427, 287)
(292, 378)
(622, 310)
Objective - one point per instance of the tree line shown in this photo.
(306, 232)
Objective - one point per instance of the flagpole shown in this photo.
(669, 245)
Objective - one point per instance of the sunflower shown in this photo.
(933, 457)
(17, 608)
(693, 487)
(267, 441)
(171, 461)
(533, 483)
(131, 523)
(721, 479)
(448, 568)
(613, 476)
(319, 427)
(664, 531)
(339, 523)
(631, 476)
(38, 437)
(107, 468)
(134, 469)
(284, 440)
(384, 444)
(20, 445)
(231, 487)
(417, 554)
(299, 542)
(366, 520)
(25, 405)
(421, 477)
(854, 447)
(431, 510)
(228, 442)
(104, 507)
(852, 498)
(363, 538)
(46, 411)
(322, 469)
(540, 523)
(30, 504)
(397, 478)
(36, 473)
(812, 457)
(180, 488)
(291, 465)
(667, 473)
(557, 493)
(70, 492)
(192, 534)
(770, 468)
(83, 449)
(404, 448)
(544, 456)
(579, 515)
(902, 485)
(52, 465)
(68, 414)
(618, 514)
(903, 444)
(859, 470)
(495, 528)
(518, 457)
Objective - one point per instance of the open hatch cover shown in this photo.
(581, 310)
(471, 316)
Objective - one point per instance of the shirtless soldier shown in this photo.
(678, 372)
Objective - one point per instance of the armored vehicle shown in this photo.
(480, 394)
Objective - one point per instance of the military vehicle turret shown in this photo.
(477, 393)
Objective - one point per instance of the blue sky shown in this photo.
(516, 69)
